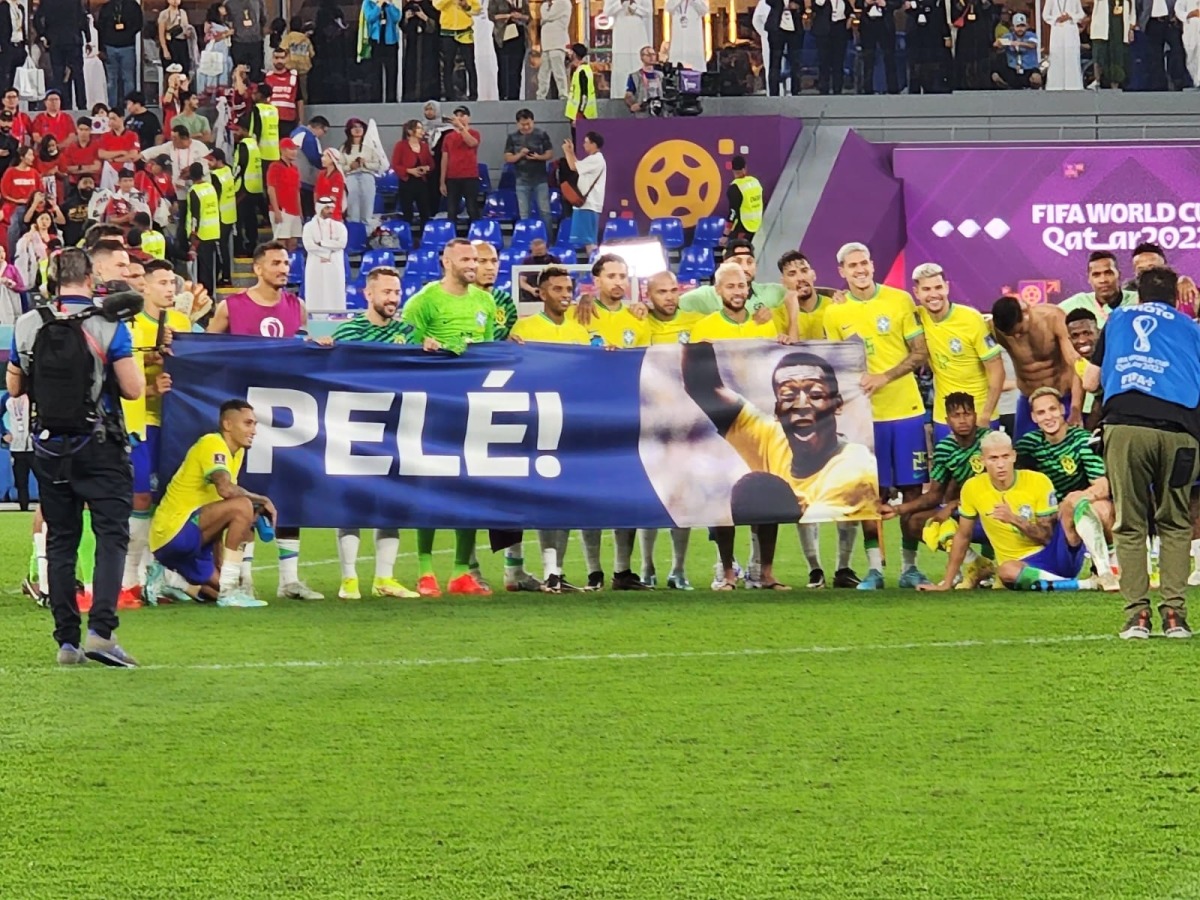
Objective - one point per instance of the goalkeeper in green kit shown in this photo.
(448, 315)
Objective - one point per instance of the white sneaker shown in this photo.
(1108, 582)
(1194, 579)
(298, 590)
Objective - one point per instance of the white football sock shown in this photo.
(810, 543)
(847, 534)
(139, 538)
(39, 548)
(231, 571)
(591, 550)
(348, 540)
(646, 539)
(248, 566)
(387, 548)
(289, 561)
(680, 537)
(875, 559)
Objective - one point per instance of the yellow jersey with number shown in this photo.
(886, 323)
(617, 328)
(1031, 496)
(145, 333)
(958, 345)
(719, 327)
(846, 487)
(676, 330)
(539, 329)
(191, 486)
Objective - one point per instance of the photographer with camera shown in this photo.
(75, 369)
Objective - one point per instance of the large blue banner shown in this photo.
(536, 435)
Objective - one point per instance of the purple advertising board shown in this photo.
(680, 166)
(1023, 220)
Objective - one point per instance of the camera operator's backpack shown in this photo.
(62, 376)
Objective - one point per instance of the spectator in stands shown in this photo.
(189, 117)
(307, 139)
(13, 34)
(510, 33)
(457, 20)
(412, 162)
(175, 33)
(63, 27)
(976, 21)
(1066, 70)
(539, 255)
(17, 188)
(75, 210)
(218, 31)
(22, 128)
(299, 48)
(33, 249)
(118, 24)
(283, 194)
(643, 87)
(381, 26)
(460, 166)
(52, 120)
(139, 120)
(528, 149)
(9, 145)
(785, 34)
(49, 167)
(1164, 39)
(556, 19)
(421, 77)
(928, 43)
(592, 171)
(632, 29)
(325, 240)
(362, 162)
(1018, 68)
(183, 150)
(285, 92)
(831, 28)
(1188, 12)
(332, 183)
(877, 33)
(11, 288)
(249, 19)
(81, 157)
(1112, 23)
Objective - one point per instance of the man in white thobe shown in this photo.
(687, 32)
(325, 241)
(632, 29)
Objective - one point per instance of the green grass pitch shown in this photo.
(802, 745)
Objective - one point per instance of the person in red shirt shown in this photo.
(119, 148)
(460, 166)
(82, 156)
(331, 182)
(22, 128)
(17, 187)
(412, 161)
(283, 193)
(285, 92)
(53, 120)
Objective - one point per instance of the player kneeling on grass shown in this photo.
(204, 504)
(1019, 511)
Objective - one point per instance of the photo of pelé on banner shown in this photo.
(717, 418)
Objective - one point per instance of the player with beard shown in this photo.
(450, 314)
(377, 325)
(756, 445)
(799, 280)
(268, 310)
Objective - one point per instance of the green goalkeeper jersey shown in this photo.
(453, 320)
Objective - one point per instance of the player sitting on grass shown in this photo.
(1020, 516)
(956, 459)
(1065, 454)
(204, 504)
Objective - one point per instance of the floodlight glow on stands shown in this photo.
(644, 256)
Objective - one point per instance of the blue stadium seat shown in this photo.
(485, 179)
(565, 254)
(355, 298)
(424, 264)
(709, 232)
(669, 230)
(556, 207)
(486, 230)
(526, 231)
(296, 270)
(502, 205)
(564, 231)
(402, 230)
(617, 229)
(437, 234)
(698, 259)
(409, 285)
(508, 177)
(373, 259)
(509, 257)
(387, 183)
(356, 238)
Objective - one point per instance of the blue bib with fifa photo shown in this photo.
(1154, 350)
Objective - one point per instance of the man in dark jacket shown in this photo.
(876, 32)
(119, 23)
(62, 27)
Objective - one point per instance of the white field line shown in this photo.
(419, 662)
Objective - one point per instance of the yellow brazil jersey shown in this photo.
(719, 327)
(958, 347)
(886, 323)
(538, 329)
(145, 333)
(811, 323)
(846, 487)
(191, 487)
(1031, 495)
(134, 411)
(676, 330)
(617, 328)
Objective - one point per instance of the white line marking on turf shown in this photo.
(329, 562)
(417, 662)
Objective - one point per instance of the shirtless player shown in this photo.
(1036, 339)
